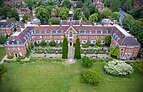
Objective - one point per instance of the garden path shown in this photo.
(71, 54)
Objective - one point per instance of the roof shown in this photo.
(130, 41)
(16, 34)
(70, 12)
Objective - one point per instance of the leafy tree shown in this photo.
(67, 4)
(86, 13)
(91, 7)
(64, 14)
(106, 12)
(93, 17)
(86, 62)
(77, 54)
(136, 12)
(83, 17)
(2, 70)
(25, 17)
(115, 15)
(31, 3)
(90, 77)
(77, 14)
(108, 40)
(127, 22)
(79, 4)
(115, 5)
(65, 48)
(54, 21)
(2, 39)
(42, 14)
(1, 2)
(114, 52)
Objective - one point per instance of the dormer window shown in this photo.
(17, 42)
(118, 39)
(24, 38)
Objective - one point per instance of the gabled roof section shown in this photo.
(70, 28)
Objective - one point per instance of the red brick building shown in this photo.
(18, 42)
(12, 2)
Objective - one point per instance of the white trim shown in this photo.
(72, 28)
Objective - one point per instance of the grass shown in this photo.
(2, 53)
(62, 77)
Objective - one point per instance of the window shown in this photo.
(45, 31)
(62, 31)
(13, 48)
(56, 31)
(71, 34)
(57, 36)
(100, 37)
(107, 31)
(34, 31)
(79, 31)
(51, 31)
(84, 31)
(40, 31)
(17, 42)
(40, 36)
(50, 36)
(84, 37)
(8, 48)
(18, 48)
(96, 31)
(101, 31)
(90, 31)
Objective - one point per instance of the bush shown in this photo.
(86, 45)
(10, 57)
(89, 77)
(52, 43)
(118, 68)
(139, 65)
(86, 62)
(2, 69)
(43, 44)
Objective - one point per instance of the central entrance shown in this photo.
(70, 43)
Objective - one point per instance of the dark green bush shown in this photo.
(86, 45)
(2, 69)
(139, 65)
(10, 57)
(52, 43)
(86, 62)
(43, 44)
(90, 77)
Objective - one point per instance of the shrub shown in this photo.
(77, 54)
(86, 62)
(139, 65)
(118, 68)
(2, 69)
(90, 77)
(52, 43)
(10, 57)
(86, 45)
(43, 44)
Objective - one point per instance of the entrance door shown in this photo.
(70, 43)
(16, 55)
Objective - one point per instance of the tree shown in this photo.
(2, 39)
(42, 14)
(83, 17)
(115, 15)
(77, 54)
(79, 4)
(106, 12)
(54, 21)
(65, 48)
(64, 14)
(25, 17)
(31, 3)
(86, 62)
(114, 52)
(77, 14)
(1, 2)
(2, 71)
(127, 21)
(108, 40)
(93, 17)
(115, 5)
(91, 7)
(86, 13)
(67, 4)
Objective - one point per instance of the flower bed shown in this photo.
(118, 68)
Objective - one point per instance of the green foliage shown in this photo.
(93, 17)
(86, 45)
(139, 65)
(79, 4)
(43, 14)
(118, 68)
(2, 69)
(2, 39)
(108, 40)
(67, 4)
(65, 49)
(83, 17)
(54, 21)
(43, 44)
(25, 17)
(115, 5)
(89, 77)
(6, 11)
(115, 15)
(98, 43)
(91, 7)
(106, 12)
(10, 57)
(77, 54)
(52, 43)
(86, 62)
(86, 13)
(77, 14)
(114, 52)
(64, 14)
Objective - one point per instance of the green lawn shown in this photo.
(62, 77)
(2, 53)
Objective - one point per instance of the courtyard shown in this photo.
(53, 75)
